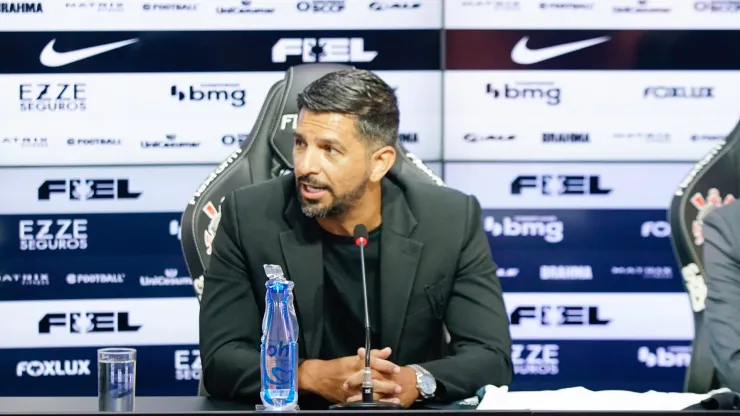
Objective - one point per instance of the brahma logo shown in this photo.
(705, 206)
(215, 215)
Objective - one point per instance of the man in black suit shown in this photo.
(428, 263)
(722, 314)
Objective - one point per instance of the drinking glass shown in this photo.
(116, 379)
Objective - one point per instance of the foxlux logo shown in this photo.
(87, 322)
(657, 229)
(665, 357)
(53, 368)
(551, 315)
(187, 365)
(531, 91)
(546, 227)
(87, 189)
(555, 185)
(535, 359)
(61, 234)
(212, 92)
(322, 50)
(679, 92)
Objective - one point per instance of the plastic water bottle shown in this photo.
(279, 351)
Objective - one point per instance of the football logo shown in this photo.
(706, 205)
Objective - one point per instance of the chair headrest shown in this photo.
(297, 79)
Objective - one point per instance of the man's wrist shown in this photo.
(307, 376)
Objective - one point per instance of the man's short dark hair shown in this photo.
(359, 93)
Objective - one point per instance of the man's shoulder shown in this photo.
(436, 199)
(728, 215)
(273, 193)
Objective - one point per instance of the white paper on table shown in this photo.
(580, 398)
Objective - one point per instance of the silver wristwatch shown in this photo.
(425, 382)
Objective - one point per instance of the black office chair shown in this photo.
(712, 183)
(268, 154)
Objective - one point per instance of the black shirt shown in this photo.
(344, 312)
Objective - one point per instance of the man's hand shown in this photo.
(384, 388)
(397, 386)
(328, 378)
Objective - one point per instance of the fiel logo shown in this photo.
(556, 185)
(87, 322)
(322, 50)
(87, 189)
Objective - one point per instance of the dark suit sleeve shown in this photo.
(230, 323)
(722, 315)
(476, 319)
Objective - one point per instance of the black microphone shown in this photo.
(360, 235)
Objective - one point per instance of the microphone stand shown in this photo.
(367, 402)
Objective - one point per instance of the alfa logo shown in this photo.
(215, 215)
(706, 205)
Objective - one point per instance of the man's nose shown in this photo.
(308, 162)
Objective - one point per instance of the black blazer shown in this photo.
(435, 268)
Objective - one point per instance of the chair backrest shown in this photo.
(713, 182)
(267, 154)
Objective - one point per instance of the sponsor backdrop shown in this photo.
(571, 121)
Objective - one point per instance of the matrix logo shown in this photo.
(527, 91)
(322, 50)
(53, 368)
(230, 93)
(187, 365)
(87, 189)
(87, 322)
(546, 227)
(665, 357)
(25, 279)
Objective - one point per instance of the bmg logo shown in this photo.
(212, 92)
(532, 91)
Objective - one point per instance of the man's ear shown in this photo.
(381, 162)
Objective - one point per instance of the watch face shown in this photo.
(427, 384)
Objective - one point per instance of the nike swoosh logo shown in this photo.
(522, 55)
(53, 59)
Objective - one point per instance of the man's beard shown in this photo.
(340, 204)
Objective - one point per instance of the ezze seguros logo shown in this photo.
(87, 189)
(53, 97)
(87, 322)
(48, 234)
